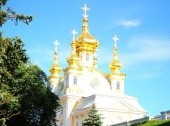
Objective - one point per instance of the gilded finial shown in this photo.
(73, 32)
(85, 20)
(73, 59)
(85, 9)
(115, 64)
(115, 39)
(56, 43)
(55, 68)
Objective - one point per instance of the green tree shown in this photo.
(25, 99)
(93, 118)
(12, 55)
(38, 104)
(9, 14)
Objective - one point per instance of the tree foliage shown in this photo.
(11, 56)
(25, 99)
(9, 14)
(93, 118)
(38, 104)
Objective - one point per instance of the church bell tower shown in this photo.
(55, 70)
(116, 78)
(86, 45)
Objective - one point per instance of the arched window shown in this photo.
(87, 57)
(61, 124)
(66, 80)
(75, 80)
(77, 123)
(61, 111)
(118, 85)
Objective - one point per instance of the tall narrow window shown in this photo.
(75, 80)
(61, 110)
(118, 85)
(87, 57)
(77, 123)
(61, 124)
(66, 81)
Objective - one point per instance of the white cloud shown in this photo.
(129, 23)
(145, 49)
(147, 55)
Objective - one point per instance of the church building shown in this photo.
(83, 84)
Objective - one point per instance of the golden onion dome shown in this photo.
(85, 41)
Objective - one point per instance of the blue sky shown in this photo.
(142, 26)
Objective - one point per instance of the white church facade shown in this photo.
(83, 84)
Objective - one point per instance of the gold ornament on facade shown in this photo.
(85, 41)
(73, 59)
(115, 64)
(55, 68)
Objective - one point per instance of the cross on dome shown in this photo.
(56, 43)
(115, 39)
(85, 9)
(73, 32)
